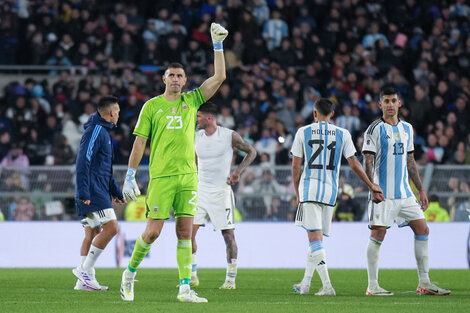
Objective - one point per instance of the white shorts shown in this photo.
(98, 218)
(216, 206)
(314, 216)
(389, 211)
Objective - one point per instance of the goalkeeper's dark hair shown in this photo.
(389, 91)
(175, 65)
(209, 108)
(324, 106)
(105, 103)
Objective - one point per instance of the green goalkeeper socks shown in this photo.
(184, 260)
(141, 249)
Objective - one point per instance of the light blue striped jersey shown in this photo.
(391, 145)
(321, 145)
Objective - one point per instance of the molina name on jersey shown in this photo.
(321, 145)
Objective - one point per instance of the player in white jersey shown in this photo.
(319, 147)
(214, 150)
(389, 161)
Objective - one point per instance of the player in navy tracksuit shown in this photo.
(95, 189)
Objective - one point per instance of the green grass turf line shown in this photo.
(258, 290)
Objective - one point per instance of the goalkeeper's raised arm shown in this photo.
(210, 86)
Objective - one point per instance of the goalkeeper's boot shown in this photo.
(127, 285)
(431, 289)
(378, 291)
(190, 296)
(87, 278)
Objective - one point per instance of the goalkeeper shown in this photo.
(170, 121)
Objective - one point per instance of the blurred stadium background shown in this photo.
(59, 57)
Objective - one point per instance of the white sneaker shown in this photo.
(302, 289)
(190, 296)
(81, 286)
(326, 291)
(431, 289)
(194, 281)
(127, 285)
(378, 291)
(228, 284)
(88, 279)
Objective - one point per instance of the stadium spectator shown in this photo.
(15, 157)
(274, 30)
(347, 209)
(436, 213)
(61, 151)
(136, 210)
(267, 144)
(24, 210)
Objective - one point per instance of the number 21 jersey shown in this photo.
(321, 144)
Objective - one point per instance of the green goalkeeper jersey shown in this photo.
(171, 127)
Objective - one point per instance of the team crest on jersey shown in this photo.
(397, 136)
(173, 110)
(184, 106)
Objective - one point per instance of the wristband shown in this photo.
(218, 46)
(130, 173)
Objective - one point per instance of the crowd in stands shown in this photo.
(281, 56)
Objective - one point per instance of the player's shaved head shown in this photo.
(209, 108)
(324, 106)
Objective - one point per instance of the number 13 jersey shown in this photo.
(390, 144)
(321, 144)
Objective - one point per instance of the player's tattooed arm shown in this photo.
(414, 176)
(413, 171)
(369, 165)
(239, 143)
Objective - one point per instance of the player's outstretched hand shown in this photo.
(130, 190)
(218, 33)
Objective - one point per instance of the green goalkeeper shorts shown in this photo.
(178, 192)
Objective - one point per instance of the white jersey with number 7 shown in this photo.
(321, 144)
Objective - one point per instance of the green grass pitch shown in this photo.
(51, 290)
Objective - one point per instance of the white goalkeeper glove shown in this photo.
(218, 34)
(130, 190)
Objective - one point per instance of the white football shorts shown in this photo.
(389, 211)
(98, 218)
(216, 206)
(314, 216)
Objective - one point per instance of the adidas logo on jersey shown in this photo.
(388, 137)
(159, 111)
